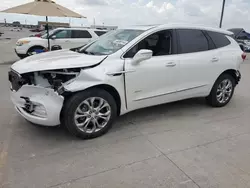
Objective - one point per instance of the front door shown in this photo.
(62, 38)
(152, 81)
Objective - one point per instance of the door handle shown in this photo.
(171, 64)
(215, 59)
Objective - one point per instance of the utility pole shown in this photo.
(222, 12)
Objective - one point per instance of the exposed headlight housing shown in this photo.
(57, 78)
(22, 42)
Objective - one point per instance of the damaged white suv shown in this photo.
(125, 70)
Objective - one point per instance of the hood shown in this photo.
(31, 39)
(61, 59)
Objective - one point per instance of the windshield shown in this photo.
(111, 42)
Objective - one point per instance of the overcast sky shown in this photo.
(131, 12)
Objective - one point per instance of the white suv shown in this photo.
(125, 70)
(64, 37)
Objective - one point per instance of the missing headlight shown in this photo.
(57, 78)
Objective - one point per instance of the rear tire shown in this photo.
(222, 91)
(89, 114)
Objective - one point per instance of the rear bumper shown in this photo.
(38, 105)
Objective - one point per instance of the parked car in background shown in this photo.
(125, 70)
(244, 45)
(242, 37)
(64, 37)
(15, 29)
(38, 34)
(37, 30)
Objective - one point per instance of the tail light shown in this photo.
(243, 56)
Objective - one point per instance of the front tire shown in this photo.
(222, 91)
(22, 56)
(32, 50)
(89, 114)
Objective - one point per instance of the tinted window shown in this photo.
(160, 43)
(219, 39)
(191, 40)
(80, 34)
(63, 34)
(99, 33)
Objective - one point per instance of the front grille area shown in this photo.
(16, 80)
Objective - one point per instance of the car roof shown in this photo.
(179, 26)
(139, 27)
(80, 28)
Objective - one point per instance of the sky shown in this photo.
(133, 12)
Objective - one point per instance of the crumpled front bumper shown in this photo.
(38, 105)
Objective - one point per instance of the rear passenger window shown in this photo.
(219, 39)
(80, 34)
(100, 33)
(191, 40)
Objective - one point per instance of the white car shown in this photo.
(125, 70)
(15, 29)
(64, 37)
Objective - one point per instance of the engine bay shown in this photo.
(48, 79)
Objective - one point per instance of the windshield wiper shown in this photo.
(85, 52)
(82, 51)
(91, 53)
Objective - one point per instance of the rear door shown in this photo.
(197, 62)
(227, 51)
(80, 38)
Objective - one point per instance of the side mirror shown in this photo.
(142, 55)
(53, 37)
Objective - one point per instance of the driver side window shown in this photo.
(160, 43)
(63, 34)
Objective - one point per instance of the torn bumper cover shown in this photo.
(38, 105)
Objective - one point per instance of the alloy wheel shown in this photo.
(224, 91)
(92, 115)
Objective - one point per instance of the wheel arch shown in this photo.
(108, 88)
(35, 46)
(233, 73)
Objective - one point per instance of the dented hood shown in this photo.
(56, 60)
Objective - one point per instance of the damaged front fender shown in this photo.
(87, 78)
